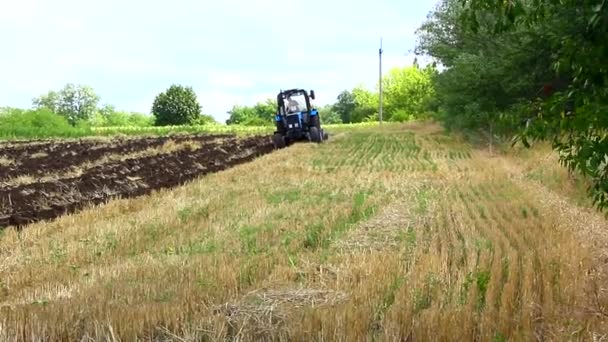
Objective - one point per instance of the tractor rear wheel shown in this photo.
(315, 135)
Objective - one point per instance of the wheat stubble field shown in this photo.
(400, 233)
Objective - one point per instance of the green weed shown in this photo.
(463, 257)
(423, 297)
(248, 236)
(499, 337)
(359, 211)
(247, 273)
(110, 242)
(205, 283)
(422, 201)
(193, 213)
(57, 251)
(288, 196)
(184, 213)
(313, 238)
(482, 280)
(524, 213)
(287, 238)
(482, 212)
(484, 244)
(201, 246)
(164, 296)
(42, 302)
(389, 297)
(409, 237)
(535, 212)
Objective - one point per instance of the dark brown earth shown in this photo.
(63, 156)
(24, 204)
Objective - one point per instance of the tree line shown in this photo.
(408, 94)
(79, 105)
(526, 71)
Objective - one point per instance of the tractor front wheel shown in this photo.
(278, 140)
(314, 121)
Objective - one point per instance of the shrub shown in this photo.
(401, 115)
(37, 123)
(177, 106)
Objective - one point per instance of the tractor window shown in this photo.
(295, 103)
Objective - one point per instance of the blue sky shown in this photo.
(230, 52)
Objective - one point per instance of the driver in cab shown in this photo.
(293, 106)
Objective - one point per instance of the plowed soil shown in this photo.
(47, 157)
(24, 204)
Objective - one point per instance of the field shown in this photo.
(389, 234)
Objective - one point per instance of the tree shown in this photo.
(261, 114)
(487, 76)
(407, 90)
(48, 101)
(206, 119)
(536, 70)
(74, 102)
(239, 115)
(329, 115)
(107, 110)
(345, 106)
(178, 105)
(266, 111)
(366, 104)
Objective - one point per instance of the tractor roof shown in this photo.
(285, 93)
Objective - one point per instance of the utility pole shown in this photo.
(380, 80)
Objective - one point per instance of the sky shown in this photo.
(229, 51)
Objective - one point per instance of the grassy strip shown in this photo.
(28, 133)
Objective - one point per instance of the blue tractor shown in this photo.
(296, 119)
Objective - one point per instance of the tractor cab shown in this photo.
(291, 102)
(296, 118)
(296, 103)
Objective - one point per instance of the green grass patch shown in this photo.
(524, 213)
(193, 213)
(482, 281)
(284, 195)
(57, 252)
(247, 273)
(314, 236)
(408, 237)
(482, 212)
(391, 151)
(318, 235)
(499, 337)
(389, 297)
(423, 297)
(200, 246)
(248, 237)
